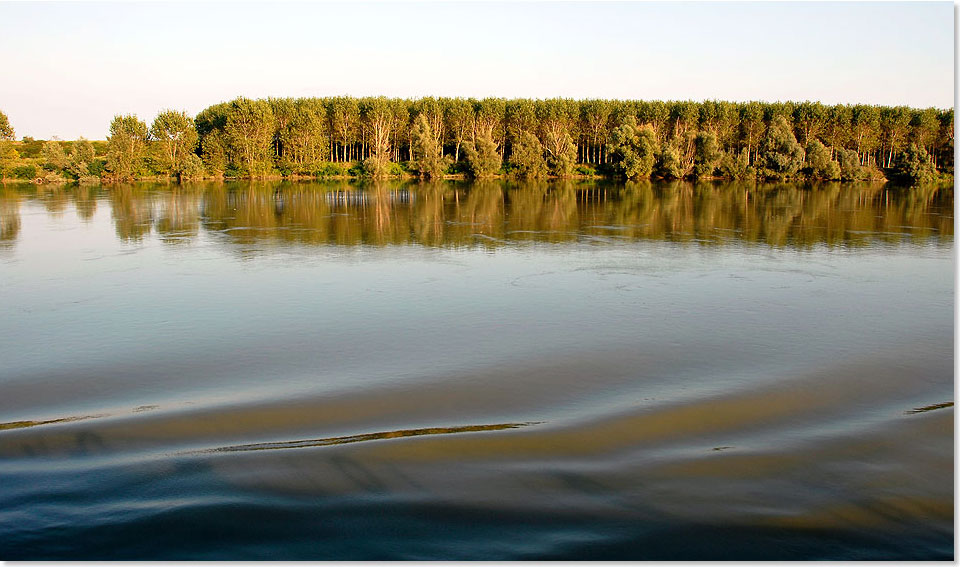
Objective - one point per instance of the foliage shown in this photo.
(850, 168)
(190, 167)
(126, 146)
(737, 166)
(526, 159)
(6, 130)
(562, 157)
(81, 158)
(781, 155)
(916, 166)
(483, 159)
(249, 132)
(633, 149)
(819, 164)
(669, 163)
(707, 154)
(25, 172)
(428, 159)
(54, 158)
(330, 170)
(176, 139)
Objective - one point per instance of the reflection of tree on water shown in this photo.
(132, 211)
(489, 213)
(55, 198)
(9, 216)
(85, 202)
(178, 219)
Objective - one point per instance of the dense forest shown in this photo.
(524, 138)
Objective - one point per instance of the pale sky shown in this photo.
(67, 68)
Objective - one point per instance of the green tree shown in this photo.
(458, 117)
(707, 154)
(819, 164)
(428, 158)
(751, 124)
(483, 157)
(526, 159)
(377, 115)
(54, 158)
(249, 135)
(781, 154)
(344, 116)
(895, 126)
(916, 166)
(594, 116)
(850, 168)
(6, 130)
(81, 158)
(126, 146)
(669, 163)
(304, 136)
(810, 118)
(633, 149)
(176, 138)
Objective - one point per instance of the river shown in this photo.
(497, 371)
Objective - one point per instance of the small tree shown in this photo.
(526, 159)
(190, 167)
(54, 158)
(633, 149)
(6, 130)
(176, 138)
(560, 161)
(850, 168)
(737, 166)
(819, 164)
(707, 154)
(126, 146)
(669, 163)
(782, 156)
(916, 166)
(81, 157)
(483, 159)
(428, 157)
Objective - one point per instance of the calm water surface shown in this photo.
(488, 371)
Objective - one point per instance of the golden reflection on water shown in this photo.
(495, 213)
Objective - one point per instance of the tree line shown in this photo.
(433, 137)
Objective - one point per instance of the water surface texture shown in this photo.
(333, 371)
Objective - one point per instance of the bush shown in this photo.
(781, 154)
(191, 167)
(736, 167)
(483, 159)
(25, 172)
(818, 162)
(916, 166)
(355, 169)
(707, 154)
(587, 170)
(526, 159)
(330, 170)
(633, 149)
(850, 168)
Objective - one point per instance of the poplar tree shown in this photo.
(176, 138)
(6, 130)
(126, 146)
